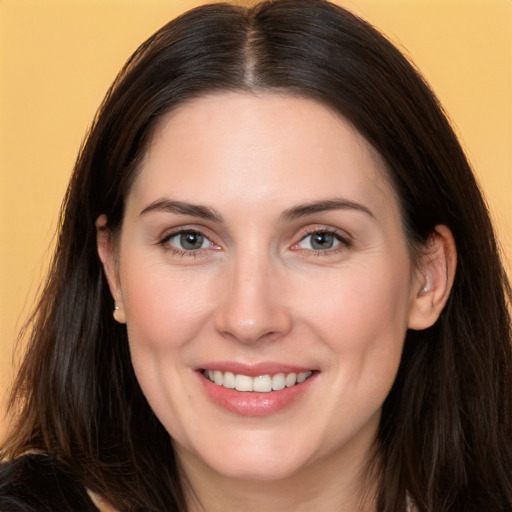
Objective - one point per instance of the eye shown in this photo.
(188, 241)
(321, 241)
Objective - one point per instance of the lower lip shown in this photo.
(250, 403)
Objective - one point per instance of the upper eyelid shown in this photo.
(334, 231)
(171, 232)
(342, 234)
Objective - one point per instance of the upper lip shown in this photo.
(253, 370)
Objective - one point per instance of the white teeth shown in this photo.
(260, 384)
(243, 383)
(278, 381)
(218, 378)
(301, 377)
(263, 384)
(291, 379)
(229, 380)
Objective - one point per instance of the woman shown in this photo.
(309, 310)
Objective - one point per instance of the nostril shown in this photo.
(267, 325)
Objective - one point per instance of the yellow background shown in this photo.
(57, 58)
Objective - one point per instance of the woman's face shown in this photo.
(262, 248)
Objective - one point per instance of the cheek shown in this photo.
(361, 316)
(363, 324)
(164, 312)
(163, 309)
(364, 299)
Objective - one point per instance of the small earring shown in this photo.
(116, 309)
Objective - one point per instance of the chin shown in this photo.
(269, 469)
(249, 458)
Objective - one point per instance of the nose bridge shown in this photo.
(253, 308)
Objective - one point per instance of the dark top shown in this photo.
(38, 483)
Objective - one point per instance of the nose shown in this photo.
(254, 308)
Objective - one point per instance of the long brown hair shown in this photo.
(445, 437)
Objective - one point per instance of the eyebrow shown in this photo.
(303, 210)
(182, 208)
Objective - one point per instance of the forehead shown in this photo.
(256, 146)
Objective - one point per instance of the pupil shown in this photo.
(191, 240)
(322, 241)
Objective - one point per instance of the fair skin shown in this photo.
(285, 255)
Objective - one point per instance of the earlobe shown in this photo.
(433, 279)
(106, 253)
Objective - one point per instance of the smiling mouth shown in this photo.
(259, 384)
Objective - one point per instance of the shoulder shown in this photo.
(39, 483)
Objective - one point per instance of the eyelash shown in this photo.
(164, 242)
(344, 243)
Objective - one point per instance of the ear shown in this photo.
(433, 279)
(106, 252)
